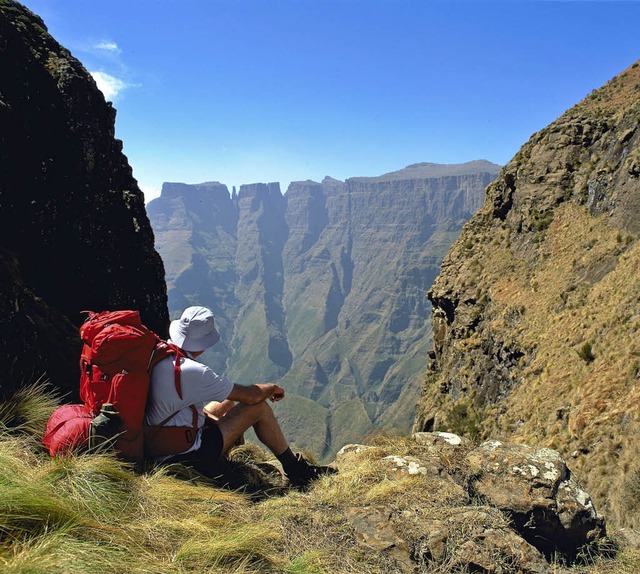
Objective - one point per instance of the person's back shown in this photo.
(199, 385)
(184, 396)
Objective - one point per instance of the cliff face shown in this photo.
(536, 316)
(322, 289)
(73, 228)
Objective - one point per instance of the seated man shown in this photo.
(223, 409)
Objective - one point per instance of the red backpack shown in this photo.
(115, 367)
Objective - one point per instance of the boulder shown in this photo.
(476, 539)
(535, 489)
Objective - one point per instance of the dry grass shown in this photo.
(86, 514)
(568, 403)
(92, 514)
(578, 287)
(618, 94)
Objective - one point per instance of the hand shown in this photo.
(272, 392)
(256, 393)
(278, 394)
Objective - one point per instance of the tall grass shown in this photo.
(29, 409)
(89, 514)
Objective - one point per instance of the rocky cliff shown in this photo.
(74, 233)
(322, 289)
(536, 316)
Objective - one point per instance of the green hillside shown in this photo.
(322, 289)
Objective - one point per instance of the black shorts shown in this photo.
(206, 459)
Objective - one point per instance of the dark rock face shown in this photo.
(536, 308)
(322, 289)
(73, 225)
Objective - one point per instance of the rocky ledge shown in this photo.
(496, 507)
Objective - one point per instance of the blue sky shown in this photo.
(244, 91)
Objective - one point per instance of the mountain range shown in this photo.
(322, 288)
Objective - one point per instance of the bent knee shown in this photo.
(263, 407)
(257, 410)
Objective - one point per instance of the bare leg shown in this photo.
(261, 418)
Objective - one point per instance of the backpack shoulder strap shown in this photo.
(162, 350)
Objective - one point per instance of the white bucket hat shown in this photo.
(195, 330)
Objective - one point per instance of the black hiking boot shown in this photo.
(303, 473)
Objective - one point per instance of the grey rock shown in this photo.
(373, 529)
(472, 539)
(536, 490)
(441, 439)
(495, 508)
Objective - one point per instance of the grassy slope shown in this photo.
(91, 514)
(588, 410)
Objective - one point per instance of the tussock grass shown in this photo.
(90, 514)
(102, 487)
(234, 545)
(63, 551)
(28, 410)
(26, 502)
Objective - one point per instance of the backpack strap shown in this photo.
(194, 417)
(183, 436)
(178, 381)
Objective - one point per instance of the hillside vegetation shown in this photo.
(91, 514)
(537, 307)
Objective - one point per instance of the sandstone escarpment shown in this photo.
(73, 227)
(537, 307)
(322, 289)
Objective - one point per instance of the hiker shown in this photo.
(224, 410)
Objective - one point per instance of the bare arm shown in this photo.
(254, 394)
(215, 410)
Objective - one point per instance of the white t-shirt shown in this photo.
(199, 385)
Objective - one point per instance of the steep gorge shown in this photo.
(322, 288)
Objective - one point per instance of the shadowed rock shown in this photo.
(536, 490)
(73, 226)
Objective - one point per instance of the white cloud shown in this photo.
(108, 46)
(109, 85)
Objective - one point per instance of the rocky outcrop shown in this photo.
(498, 507)
(537, 306)
(323, 288)
(536, 490)
(74, 232)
